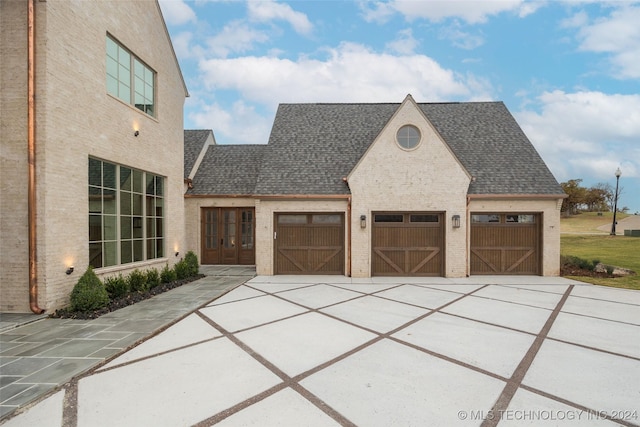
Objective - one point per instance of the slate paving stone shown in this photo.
(8, 379)
(29, 394)
(61, 371)
(78, 348)
(27, 365)
(10, 390)
(36, 350)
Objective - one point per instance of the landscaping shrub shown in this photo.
(578, 262)
(89, 293)
(116, 286)
(167, 274)
(137, 281)
(153, 278)
(182, 269)
(192, 262)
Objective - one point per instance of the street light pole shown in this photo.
(615, 203)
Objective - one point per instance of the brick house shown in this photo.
(95, 92)
(408, 189)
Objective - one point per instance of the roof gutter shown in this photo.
(31, 148)
(515, 196)
(270, 196)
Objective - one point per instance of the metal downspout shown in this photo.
(349, 237)
(31, 144)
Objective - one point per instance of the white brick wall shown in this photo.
(76, 118)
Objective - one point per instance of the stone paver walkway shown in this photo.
(38, 354)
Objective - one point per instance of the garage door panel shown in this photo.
(504, 247)
(408, 248)
(309, 244)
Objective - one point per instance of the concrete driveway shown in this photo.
(327, 351)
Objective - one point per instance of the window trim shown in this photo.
(153, 240)
(408, 138)
(133, 93)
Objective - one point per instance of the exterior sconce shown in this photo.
(455, 221)
(177, 253)
(363, 221)
(136, 133)
(69, 270)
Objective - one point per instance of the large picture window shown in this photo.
(129, 79)
(126, 214)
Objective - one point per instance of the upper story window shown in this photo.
(129, 79)
(408, 137)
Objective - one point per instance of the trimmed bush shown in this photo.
(89, 293)
(137, 281)
(116, 286)
(167, 274)
(153, 278)
(578, 262)
(192, 262)
(182, 269)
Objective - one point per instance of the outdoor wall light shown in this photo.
(455, 221)
(177, 253)
(363, 221)
(136, 133)
(69, 270)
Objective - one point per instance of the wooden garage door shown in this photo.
(309, 243)
(407, 244)
(505, 243)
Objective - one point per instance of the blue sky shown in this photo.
(569, 71)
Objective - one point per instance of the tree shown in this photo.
(597, 197)
(576, 197)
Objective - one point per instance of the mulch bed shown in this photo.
(129, 299)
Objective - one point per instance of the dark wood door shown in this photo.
(309, 243)
(505, 243)
(228, 236)
(407, 244)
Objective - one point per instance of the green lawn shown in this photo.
(619, 251)
(588, 222)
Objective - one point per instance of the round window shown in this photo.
(408, 137)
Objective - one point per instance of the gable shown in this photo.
(195, 146)
(402, 171)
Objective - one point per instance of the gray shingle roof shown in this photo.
(313, 146)
(193, 143)
(228, 170)
(492, 147)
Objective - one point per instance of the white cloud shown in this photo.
(586, 134)
(268, 10)
(471, 11)
(577, 20)
(350, 73)
(404, 44)
(235, 37)
(239, 125)
(459, 38)
(617, 35)
(177, 12)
